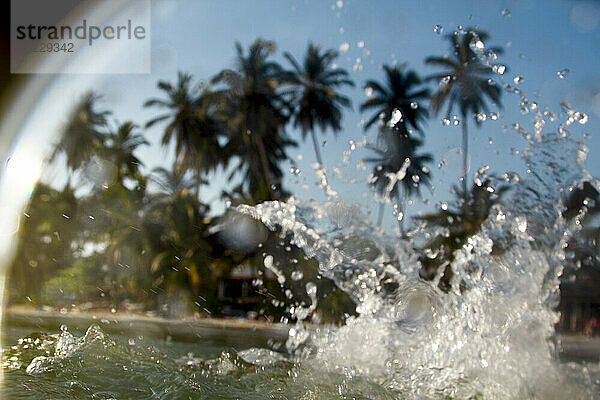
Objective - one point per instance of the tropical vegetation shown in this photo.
(115, 235)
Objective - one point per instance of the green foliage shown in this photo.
(47, 238)
(75, 284)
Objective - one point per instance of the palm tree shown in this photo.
(121, 147)
(398, 172)
(81, 137)
(465, 82)
(315, 97)
(470, 212)
(176, 230)
(255, 114)
(400, 92)
(191, 125)
(171, 182)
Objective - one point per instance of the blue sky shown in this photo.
(539, 38)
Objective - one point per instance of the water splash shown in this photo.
(492, 336)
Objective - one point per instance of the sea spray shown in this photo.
(492, 335)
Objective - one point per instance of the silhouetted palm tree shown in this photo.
(255, 113)
(399, 171)
(399, 92)
(315, 98)
(81, 137)
(191, 125)
(465, 82)
(172, 182)
(176, 229)
(471, 210)
(121, 147)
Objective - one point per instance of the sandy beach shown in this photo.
(219, 330)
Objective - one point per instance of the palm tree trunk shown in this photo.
(317, 151)
(265, 165)
(380, 217)
(465, 151)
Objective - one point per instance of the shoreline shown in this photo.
(187, 329)
(225, 331)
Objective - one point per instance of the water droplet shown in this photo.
(63, 328)
(506, 12)
(257, 282)
(339, 3)
(521, 224)
(481, 116)
(396, 117)
(268, 262)
(550, 115)
(311, 289)
(562, 74)
(414, 105)
(295, 170)
(494, 115)
(438, 29)
(344, 47)
(499, 69)
(360, 44)
(297, 275)
(444, 81)
(445, 122)
(478, 45)
(518, 79)
(491, 55)
(369, 91)
(131, 341)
